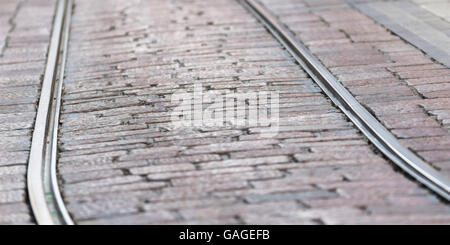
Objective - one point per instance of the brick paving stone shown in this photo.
(24, 36)
(16, 213)
(134, 186)
(122, 162)
(91, 175)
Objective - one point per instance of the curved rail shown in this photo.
(369, 125)
(43, 190)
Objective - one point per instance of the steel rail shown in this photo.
(43, 190)
(367, 124)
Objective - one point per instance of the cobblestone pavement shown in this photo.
(24, 35)
(403, 87)
(122, 162)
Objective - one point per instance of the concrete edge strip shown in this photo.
(43, 190)
(368, 124)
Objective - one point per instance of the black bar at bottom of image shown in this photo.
(221, 234)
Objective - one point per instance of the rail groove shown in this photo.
(368, 124)
(43, 191)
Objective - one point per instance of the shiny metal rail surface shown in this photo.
(368, 124)
(43, 190)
